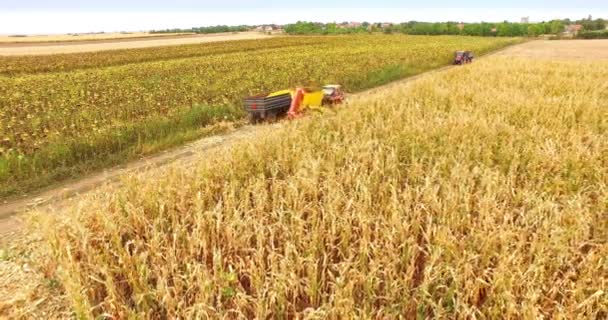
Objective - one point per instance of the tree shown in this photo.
(503, 30)
(302, 27)
(331, 28)
(592, 25)
(452, 28)
(472, 29)
(556, 27)
(535, 30)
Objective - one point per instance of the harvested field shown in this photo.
(582, 50)
(115, 44)
(40, 39)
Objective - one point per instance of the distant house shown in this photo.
(349, 25)
(272, 27)
(525, 20)
(573, 29)
(460, 26)
(268, 28)
(494, 30)
(386, 25)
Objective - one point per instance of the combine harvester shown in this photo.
(291, 102)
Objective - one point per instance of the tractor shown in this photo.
(463, 57)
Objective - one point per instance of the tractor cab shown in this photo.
(333, 94)
(459, 58)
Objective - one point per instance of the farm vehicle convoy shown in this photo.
(293, 103)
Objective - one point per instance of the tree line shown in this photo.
(502, 29)
(599, 34)
(591, 28)
(206, 30)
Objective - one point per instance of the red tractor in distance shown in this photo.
(463, 57)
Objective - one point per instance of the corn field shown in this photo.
(479, 192)
(60, 112)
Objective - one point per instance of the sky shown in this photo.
(64, 16)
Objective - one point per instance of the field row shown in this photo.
(479, 192)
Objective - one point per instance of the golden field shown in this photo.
(479, 192)
(562, 50)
